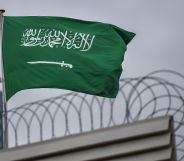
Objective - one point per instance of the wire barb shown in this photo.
(158, 93)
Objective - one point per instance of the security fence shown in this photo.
(156, 94)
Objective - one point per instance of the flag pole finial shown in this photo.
(2, 10)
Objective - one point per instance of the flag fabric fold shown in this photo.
(65, 53)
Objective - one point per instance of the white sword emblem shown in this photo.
(62, 64)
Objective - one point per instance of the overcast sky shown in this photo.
(159, 25)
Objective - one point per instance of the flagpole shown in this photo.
(5, 122)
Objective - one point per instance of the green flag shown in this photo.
(57, 52)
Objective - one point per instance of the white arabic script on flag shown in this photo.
(57, 38)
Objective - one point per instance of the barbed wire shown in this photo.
(158, 93)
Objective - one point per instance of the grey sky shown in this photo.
(159, 26)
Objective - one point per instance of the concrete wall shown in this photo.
(150, 140)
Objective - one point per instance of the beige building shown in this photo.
(150, 140)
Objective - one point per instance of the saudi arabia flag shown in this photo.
(57, 52)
